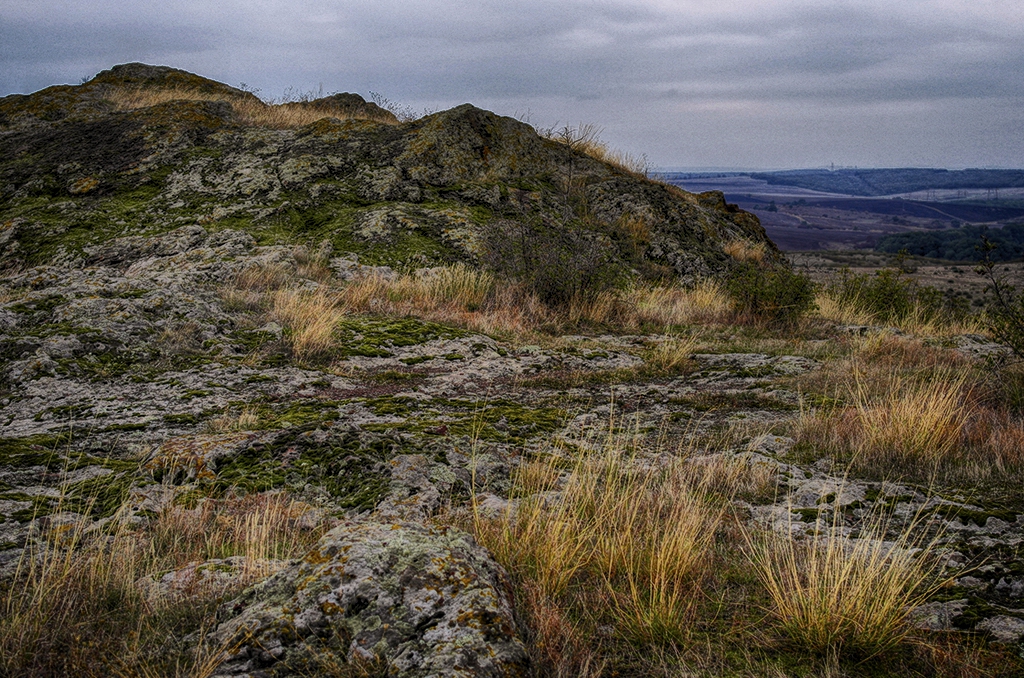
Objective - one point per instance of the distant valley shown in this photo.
(810, 210)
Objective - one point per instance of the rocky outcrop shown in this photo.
(79, 166)
(421, 601)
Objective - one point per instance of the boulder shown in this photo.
(422, 601)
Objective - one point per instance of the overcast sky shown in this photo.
(738, 84)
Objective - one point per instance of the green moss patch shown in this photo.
(738, 400)
(264, 345)
(977, 517)
(41, 450)
(376, 337)
(38, 306)
(351, 470)
(496, 420)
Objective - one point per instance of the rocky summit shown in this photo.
(283, 386)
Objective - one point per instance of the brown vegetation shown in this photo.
(81, 602)
(249, 109)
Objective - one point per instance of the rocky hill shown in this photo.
(263, 376)
(83, 164)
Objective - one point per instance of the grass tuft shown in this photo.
(641, 536)
(80, 604)
(310, 318)
(846, 598)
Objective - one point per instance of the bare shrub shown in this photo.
(560, 263)
(586, 138)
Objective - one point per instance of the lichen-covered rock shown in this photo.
(210, 579)
(1004, 629)
(427, 602)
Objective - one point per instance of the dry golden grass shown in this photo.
(554, 641)
(249, 110)
(261, 527)
(477, 300)
(183, 338)
(75, 606)
(313, 265)
(842, 597)
(247, 290)
(914, 410)
(596, 310)
(920, 322)
(730, 476)
(310, 318)
(247, 419)
(704, 303)
(841, 313)
(457, 294)
(898, 425)
(672, 356)
(744, 250)
(902, 408)
(921, 424)
(262, 277)
(641, 534)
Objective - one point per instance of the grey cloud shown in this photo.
(643, 69)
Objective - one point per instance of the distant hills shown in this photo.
(877, 182)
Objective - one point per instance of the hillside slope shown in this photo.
(82, 164)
